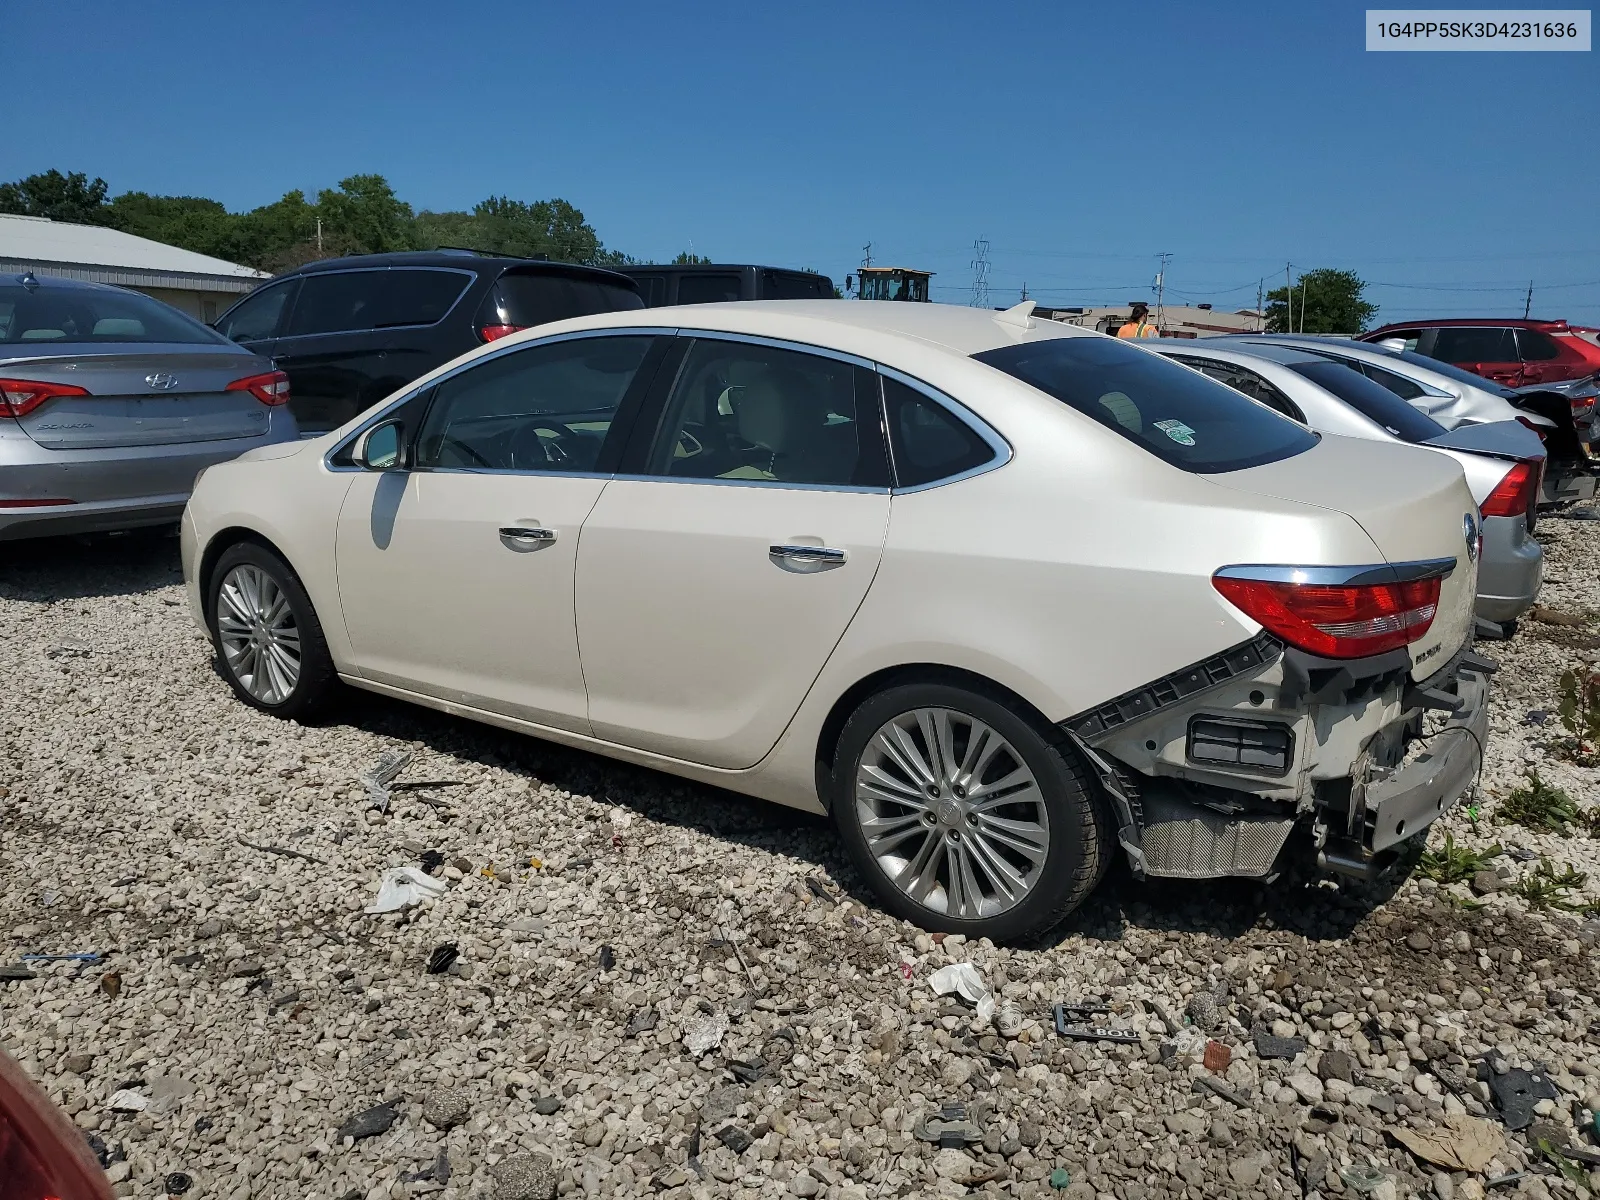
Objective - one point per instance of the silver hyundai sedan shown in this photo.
(112, 402)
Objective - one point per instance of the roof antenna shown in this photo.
(1020, 315)
(27, 280)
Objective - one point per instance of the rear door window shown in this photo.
(1372, 400)
(256, 317)
(1183, 418)
(530, 298)
(709, 288)
(1536, 346)
(1474, 344)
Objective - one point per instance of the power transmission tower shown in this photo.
(1161, 285)
(980, 273)
(1261, 315)
(1527, 304)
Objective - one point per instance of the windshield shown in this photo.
(42, 315)
(1373, 401)
(1181, 416)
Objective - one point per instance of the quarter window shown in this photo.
(928, 442)
(1536, 346)
(352, 301)
(763, 414)
(1474, 344)
(701, 288)
(546, 408)
(1246, 381)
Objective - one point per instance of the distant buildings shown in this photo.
(1177, 320)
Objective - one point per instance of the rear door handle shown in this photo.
(807, 554)
(527, 535)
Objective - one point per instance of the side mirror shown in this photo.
(381, 448)
(849, 283)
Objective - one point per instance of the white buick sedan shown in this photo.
(1004, 597)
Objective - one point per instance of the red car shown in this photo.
(1516, 354)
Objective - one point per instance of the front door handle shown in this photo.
(807, 554)
(527, 535)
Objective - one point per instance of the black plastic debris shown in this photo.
(818, 888)
(15, 972)
(177, 1183)
(190, 960)
(734, 1138)
(438, 1171)
(442, 958)
(1269, 1046)
(608, 958)
(431, 860)
(1516, 1092)
(949, 1128)
(1206, 1083)
(747, 1072)
(1536, 716)
(1089, 1033)
(641, 1022)
(102, 1152)
(367, 1124)
(1522, 854)
(202, 1124)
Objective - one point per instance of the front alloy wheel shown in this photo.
(257, 632)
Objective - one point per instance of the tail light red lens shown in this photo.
(19, 397)
(33, 504)
(1516, 494)
(271, 388)
(42, 1155)
(490, 333)
(1350, 621)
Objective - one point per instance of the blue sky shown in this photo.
(1079, 140)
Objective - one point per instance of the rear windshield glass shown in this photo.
(1179, 415)
(536, 298)
(794, 285)
(1372, 400)
(39, 316)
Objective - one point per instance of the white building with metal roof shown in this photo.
(195, 283)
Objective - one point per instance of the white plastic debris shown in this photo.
(403, 886)
(964, 980)
(128, 1100)
(705, 1034)
(1008, 1020)
(377, 778)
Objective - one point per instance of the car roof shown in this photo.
(460, 259)
(700, 268)
(955, 328)
(1287, 355)
(56, 282)
(1544, 325)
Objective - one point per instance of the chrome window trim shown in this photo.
(676, 479)
(960, 412)
(472, 277)
(1353, 576)
(416, 389)
(754, 339)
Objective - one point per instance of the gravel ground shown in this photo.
(662, 989)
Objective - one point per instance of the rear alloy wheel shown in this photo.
(965, 816)
(269, 642)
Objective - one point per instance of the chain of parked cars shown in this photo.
(1005, 598)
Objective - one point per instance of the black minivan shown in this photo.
(349, 331)
(713, 283)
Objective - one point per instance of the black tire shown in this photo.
(1080, 837)
(318, 682)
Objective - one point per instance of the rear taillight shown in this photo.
(271, 388)
(19, 397)
(491, 333)
(1345, 621)
(1516, 494)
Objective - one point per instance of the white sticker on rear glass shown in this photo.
(1177, 431)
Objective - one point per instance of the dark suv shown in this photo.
(351, 330)
(712, 283)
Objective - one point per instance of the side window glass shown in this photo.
(337, 302)
(1536, 346)
(1242, 380)
(417, 297)
(698, 288)
(1405, 388)
(256, 318)
(1474, 344)
(547, 408)
(926, 440)
(740, 411)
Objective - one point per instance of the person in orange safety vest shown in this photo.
(1137, 326)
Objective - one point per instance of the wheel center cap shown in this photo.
(949, 811)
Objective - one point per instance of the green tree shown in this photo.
(280, 235)
(685, 259)
(60, 197)
(552, 228)
(364, 216)
(192, 222)
(1325, 301)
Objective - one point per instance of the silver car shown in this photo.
(112, 402)
(1502, 460)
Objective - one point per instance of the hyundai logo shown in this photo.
(1469, 526)
(162, 381)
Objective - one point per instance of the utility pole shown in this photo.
(1161, 287)
(866, 255)
(1288, 293)
(980, 273)
(1261, 313)
(319, 235)
(1528, 303)
(1024, 289)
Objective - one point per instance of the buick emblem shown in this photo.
(1469, 526)
(162, 381)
